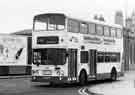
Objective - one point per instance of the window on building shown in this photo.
(73, 26)
(106, 31)
(91, 28)
(83, 28)
(99, 29)
(84, 56)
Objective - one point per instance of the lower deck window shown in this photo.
(108, 57)
(100, 57)
(84, 56)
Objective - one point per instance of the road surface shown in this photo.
(23, 86)
(123, 86)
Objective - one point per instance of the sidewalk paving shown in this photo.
(124, 86)
(15, 76)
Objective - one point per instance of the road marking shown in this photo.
(82, 91)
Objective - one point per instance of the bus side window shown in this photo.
(107, 57)
(91, 28)
(99, 30)
(119, 33)
(106, 31)
(100, 57)
(113, 32)
(115, 57)
(83, 28)
(73, 26)
(84, 56)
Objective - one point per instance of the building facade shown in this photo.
(119, 18)
(129, 43)
(128, 39)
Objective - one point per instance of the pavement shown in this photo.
(123, 86)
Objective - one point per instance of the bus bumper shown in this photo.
(55, 79)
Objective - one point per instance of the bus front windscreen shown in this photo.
(49, 56)
(49, 22)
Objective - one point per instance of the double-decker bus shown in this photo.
(71, 50)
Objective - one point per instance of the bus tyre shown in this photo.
(83, 78)
(113, 75)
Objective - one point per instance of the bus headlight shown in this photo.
(60, 72)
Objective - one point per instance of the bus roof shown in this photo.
(48, 14)
(96, 22)
(79, 19)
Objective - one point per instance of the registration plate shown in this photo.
(47, 72)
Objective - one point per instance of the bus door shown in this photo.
(92, 63)
(72, 63)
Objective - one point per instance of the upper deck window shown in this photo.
(106, 31)
(92, 28)
(119, 33)
(99, 29)
(49, 22)
(83, 28)
(73, 26)
(113, 32)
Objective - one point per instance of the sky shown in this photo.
(16, 15)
